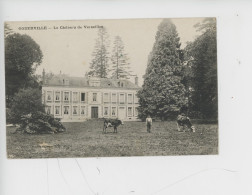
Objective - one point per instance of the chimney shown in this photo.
(136, 80)
(43, 77)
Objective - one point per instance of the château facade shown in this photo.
(80, 98)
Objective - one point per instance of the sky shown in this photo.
(67, 46)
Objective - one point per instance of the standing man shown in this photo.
(148, 123)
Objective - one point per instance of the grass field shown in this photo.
(85, 139)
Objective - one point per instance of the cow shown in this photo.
(183, 121)
(111, 123)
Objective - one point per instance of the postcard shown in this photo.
(111, 88)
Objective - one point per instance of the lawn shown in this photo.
(85, 139)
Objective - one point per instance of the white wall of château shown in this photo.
(80, 104)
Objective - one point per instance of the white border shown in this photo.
(227, 173)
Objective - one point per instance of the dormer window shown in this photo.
(120, 84)
(94, 83)
(66, 82)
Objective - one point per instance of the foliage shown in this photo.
(22, 56)
(99, 64)
(204, 67)
(120, 60)
(7, 30)
(26, 101)
(40, 122)
(163, 93)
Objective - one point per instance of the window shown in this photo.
(75, 112)
(57, 96)
(82, 110)
(94, 97)
(129, 111)
(75, 96)
(48, 110)
(121, 98)
(130, 99)
(120, 84)
(113, 112)
(66, 109)
(57, 110)
(66, 96)
(106, 97)
(95, 83)
(66, 82)
(83, 97)
(136, 111)
(105, 111)
(113, 97)
(136, 98)
(49, 96)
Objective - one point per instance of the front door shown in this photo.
(121, 113)
(94, 112)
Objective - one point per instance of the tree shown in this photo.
(22, 56)
(99, 64)
(187, 80)
(163, 94)
(119, 59)
(7, 30)
(26, 101)
(204, 66)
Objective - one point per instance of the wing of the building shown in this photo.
(80, 98)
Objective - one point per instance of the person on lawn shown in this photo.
(148, 123)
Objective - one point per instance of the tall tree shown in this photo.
(120, 61)
(163, 94)
(99, 64)
(22, 56)
(204, 66)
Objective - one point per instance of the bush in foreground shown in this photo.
(39, 122)
(24, 102)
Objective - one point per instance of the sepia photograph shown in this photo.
(111, 88)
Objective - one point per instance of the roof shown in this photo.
(92, 82)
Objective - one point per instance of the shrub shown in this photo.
(24, 102)
(39, 122)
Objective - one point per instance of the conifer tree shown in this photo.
(163, 93)
(99, 64)
(120, 60)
